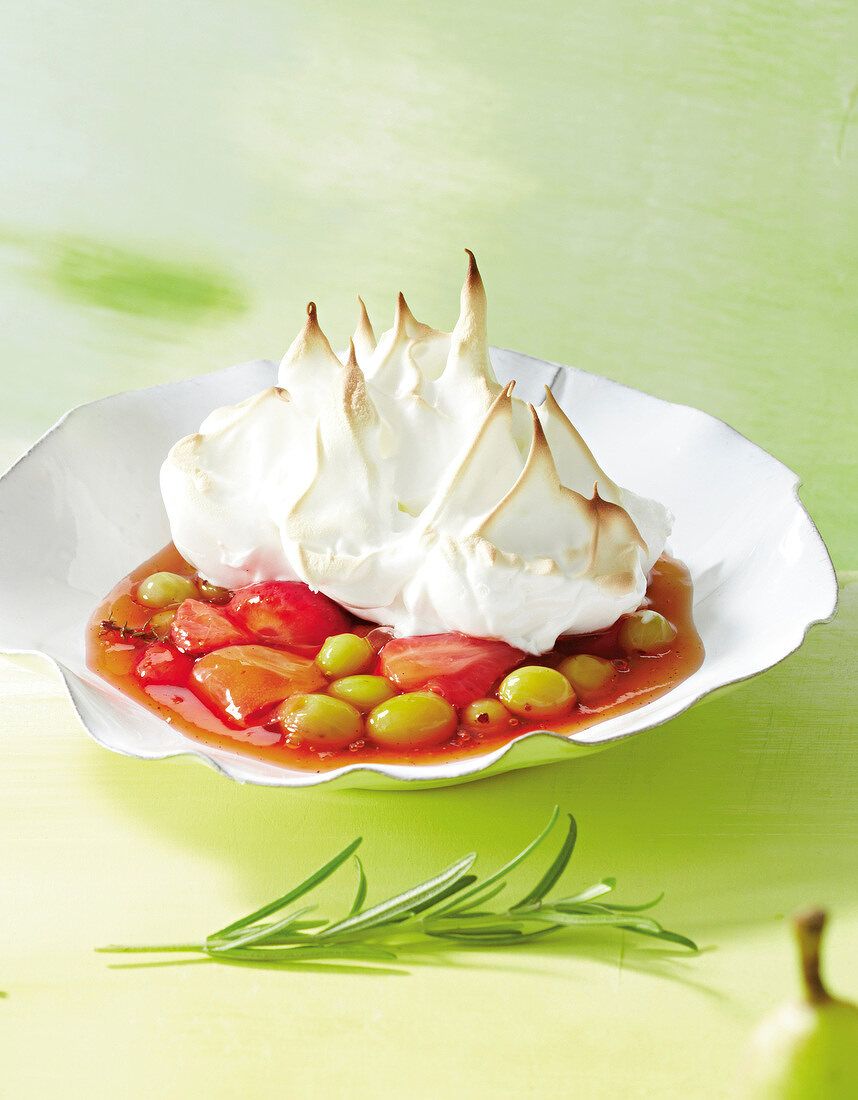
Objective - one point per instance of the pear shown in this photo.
(806, 1050)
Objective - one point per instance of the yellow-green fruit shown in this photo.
(807, 1050)
(161, 622)
(646, 632)
(363, 692)
(589, 676)
(486, 716)
(344, 655)
(536, 692)
(320, 721)
(165, 589)
(414, 720)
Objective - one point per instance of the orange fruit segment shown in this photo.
(241, 683)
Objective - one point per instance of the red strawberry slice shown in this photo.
(453, 665)
(162, 664)
(243, 682)
(200, 627)
(287, 613)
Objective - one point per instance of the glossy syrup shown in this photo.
(640, 679)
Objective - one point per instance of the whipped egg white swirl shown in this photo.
(406, 484)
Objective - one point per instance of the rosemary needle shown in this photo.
(449, 905)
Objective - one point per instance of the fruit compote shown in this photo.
(279, 672)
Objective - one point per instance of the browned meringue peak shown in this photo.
(218, 431)
(339, 508)
(363, 340)
(576, 466)
(391, 367)
(614, 553)
(468, 380)
(576, 533)
(483, 476)
(309, 362)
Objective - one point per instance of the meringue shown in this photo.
(403, 482)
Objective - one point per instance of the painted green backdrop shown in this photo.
(666, 193)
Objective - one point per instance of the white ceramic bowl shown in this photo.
(82, 508)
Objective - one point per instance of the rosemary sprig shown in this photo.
(448, 906)
(109, 626)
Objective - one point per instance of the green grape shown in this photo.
(165, 590)
(414, 720)
(587, 675)
(535, 692)
(320, 721)
(363, 692)
(646, 632)
(344, 654)
(161, 622)
(486, 716)
(212, 593)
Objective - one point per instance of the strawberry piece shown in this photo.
(242, 682)
(200, 627)
(162, 664)
(453, 665)
(287, 613)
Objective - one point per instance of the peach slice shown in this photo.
(242, 682)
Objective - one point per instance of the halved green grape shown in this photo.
(320, 721)
(588, 675)
(161, 621)
(165, 590)
(414, 720)
(212, 593)
(344, 654)
(646, 632)
(486, 716)
(363, 692)
(536, 691)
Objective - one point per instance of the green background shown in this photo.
(664, 193)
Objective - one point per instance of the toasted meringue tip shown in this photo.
(540, 452)
(311, 338)
(551, 406)
(312, 327)
(473, 279)
(364, 336)
(605, 511)
(508, 388)
(402, 306)
(472, 306)
(352, 359)
(403, 316)
(502, 401)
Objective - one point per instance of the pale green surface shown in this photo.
(665, 193)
